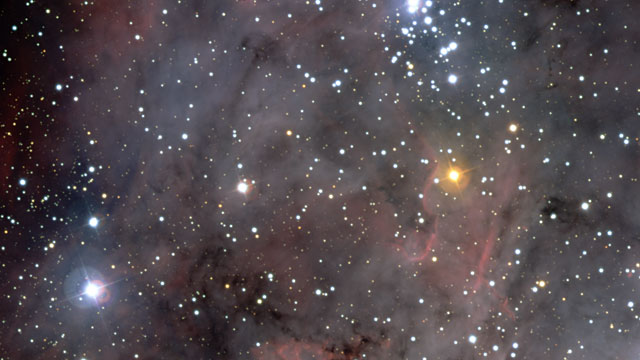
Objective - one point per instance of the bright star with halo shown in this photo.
(454, 175)
(92, 290)
(243, 187)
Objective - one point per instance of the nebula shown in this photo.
(320, 180)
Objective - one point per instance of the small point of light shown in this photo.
(630, 304)
(452, 79)
(585, 206)
(454, 175)
(185, 136)
(472, 339)
(93, 222)
(22, 182)
(513, 128)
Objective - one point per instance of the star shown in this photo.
(92, 290)
(242, 187)
(454, 175)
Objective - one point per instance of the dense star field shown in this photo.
(320, 179)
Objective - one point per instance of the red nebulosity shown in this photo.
(291, 350)
(504, 306)
(504, 301)
(484, 223)
(113, 30)
(9, 150)
(495, 223)
(484, 257)
(417, 246)
(491, 225)
(294, 349)
(102, 294)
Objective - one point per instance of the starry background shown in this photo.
(319, 179)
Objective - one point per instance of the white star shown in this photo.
(92, 290)
(243, 187)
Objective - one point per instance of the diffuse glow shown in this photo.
(345, 197)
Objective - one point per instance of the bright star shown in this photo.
(92, 290)
(243, 187)
(454, 175)
(413, 5)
